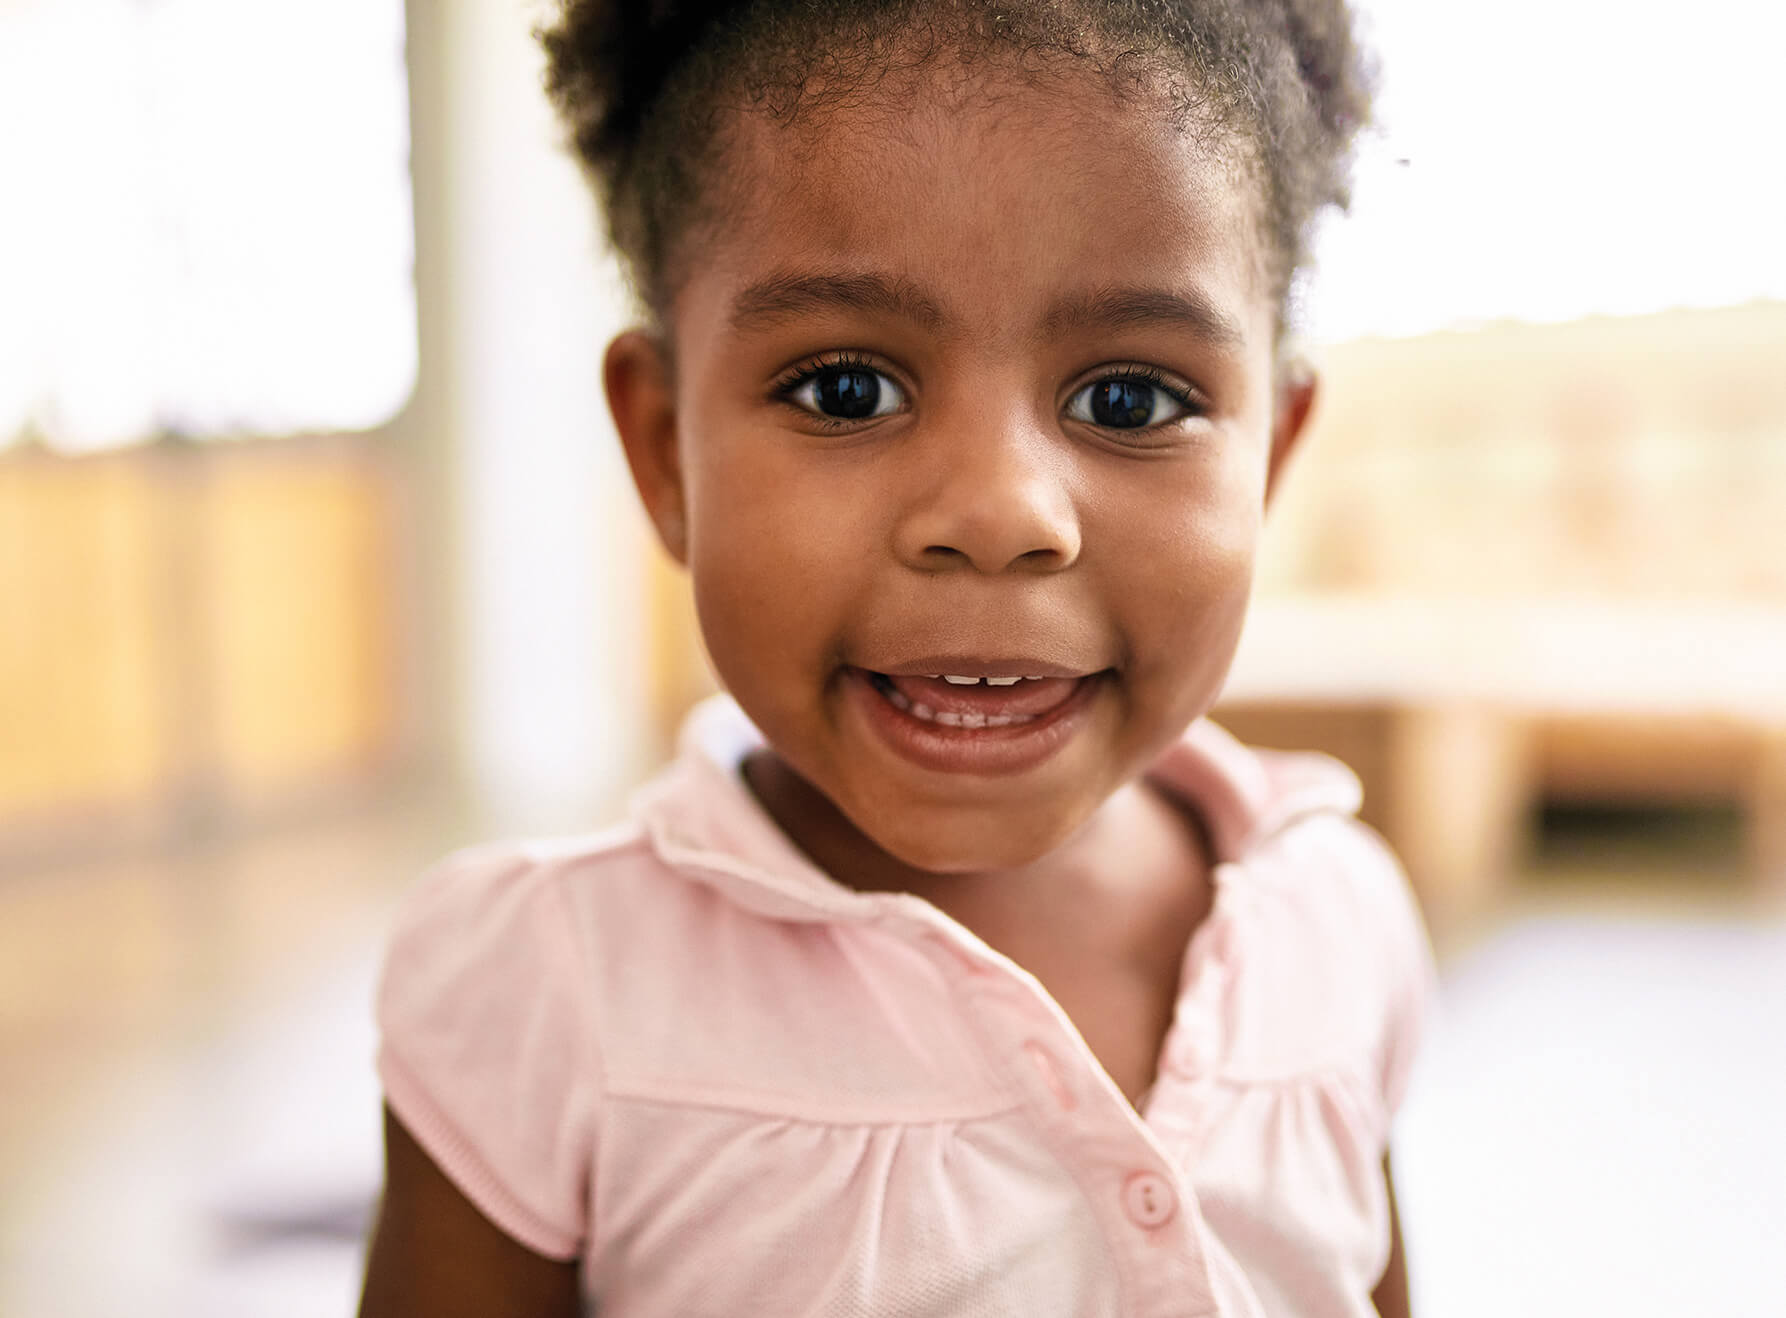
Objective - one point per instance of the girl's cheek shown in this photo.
(1203, 517)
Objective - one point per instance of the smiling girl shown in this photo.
(958, 965)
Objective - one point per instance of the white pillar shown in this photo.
(549, 541)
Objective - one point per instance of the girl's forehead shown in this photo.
(975, 130)
(990, 212)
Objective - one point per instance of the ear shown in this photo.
(642, 398)
(1297, 385)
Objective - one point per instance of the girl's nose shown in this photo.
(992, 502)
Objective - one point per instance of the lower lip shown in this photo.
(990, 752)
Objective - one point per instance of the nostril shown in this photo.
(1047, 559)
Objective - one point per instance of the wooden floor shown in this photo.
(189, 1117)
(1595, 1127)
(188, 1121)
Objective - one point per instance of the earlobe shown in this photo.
(642, 400)
(1296, 390)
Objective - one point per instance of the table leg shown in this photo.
(1459, 802)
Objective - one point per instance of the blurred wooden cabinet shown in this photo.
(1638, 459)
(1537, 562)
(190, 627)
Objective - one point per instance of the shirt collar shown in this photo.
(1244, 795)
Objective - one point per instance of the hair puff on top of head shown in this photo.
(640, 85)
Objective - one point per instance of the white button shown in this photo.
(1050, 1073)
(1148, 1197)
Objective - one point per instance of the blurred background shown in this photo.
(317, 559)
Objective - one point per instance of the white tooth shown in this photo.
(1000, 720)
(897, 698)
(972, 720)
(949, 717)
(953, 680)
(1003, 681)
(923, 711)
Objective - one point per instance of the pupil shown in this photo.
(1121, 403)
(849, 394)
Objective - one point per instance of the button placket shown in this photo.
(1096, 1139)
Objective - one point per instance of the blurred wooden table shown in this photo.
(1458, 714)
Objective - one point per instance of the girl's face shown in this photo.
(979, 388)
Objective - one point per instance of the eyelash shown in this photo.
(790, 381)
(812, 367)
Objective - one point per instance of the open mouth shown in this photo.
(973, 702)
(992, 720)
(996, 721)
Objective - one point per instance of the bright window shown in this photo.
(205, 218)
(1564, 158)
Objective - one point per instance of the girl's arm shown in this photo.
(1391, 1295)
(434, 1255)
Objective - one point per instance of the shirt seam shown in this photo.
(586, 1005)
(583, 973)
(1278, 1080)
(746, 1103)
(460, 1161)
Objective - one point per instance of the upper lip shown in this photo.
(963, 666)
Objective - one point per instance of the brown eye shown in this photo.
(847, 393)
(1127, 403)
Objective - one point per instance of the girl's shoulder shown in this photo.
(1285, 831)
(505, 963)
(500, 908)
(487, 1054)
(473, 883)
(1323, 955)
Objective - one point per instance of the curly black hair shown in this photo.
(644, 89)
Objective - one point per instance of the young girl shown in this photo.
(959, 966)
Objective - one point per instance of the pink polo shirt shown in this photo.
(731, 1085)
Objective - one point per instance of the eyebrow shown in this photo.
(781, 296)
(784, 295)
(1120, 308)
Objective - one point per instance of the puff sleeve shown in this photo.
(486, 1051)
